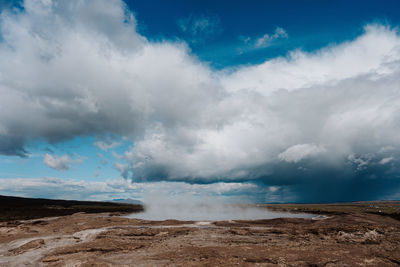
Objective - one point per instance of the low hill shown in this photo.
(20, 208)
(127, 201)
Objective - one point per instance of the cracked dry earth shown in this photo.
(101, 240)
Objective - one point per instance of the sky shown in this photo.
(240, 101)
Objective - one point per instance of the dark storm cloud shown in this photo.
(12, 146)
(349, 179)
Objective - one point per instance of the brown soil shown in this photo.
(350, 239)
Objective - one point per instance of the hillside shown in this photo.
(20, 208)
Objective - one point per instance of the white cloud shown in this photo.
(67, 189)
(385, 160)
(299, 152)
(260, 42)
(360, 59)
(121, 188)
(79, 68)
(106, 145)
(266, 39)
(116, 155)
(61, 163)
(200, 27)
(122, 168)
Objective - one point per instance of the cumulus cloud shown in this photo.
(61, 163)
(298, 152)
(79, 68)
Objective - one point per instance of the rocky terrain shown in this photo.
(351, 238)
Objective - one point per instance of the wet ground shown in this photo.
(349, 239)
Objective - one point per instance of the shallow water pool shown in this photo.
(212, 213)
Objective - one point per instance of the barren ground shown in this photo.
(340, 239)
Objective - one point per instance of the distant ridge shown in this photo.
(21, 208)
(126, 201)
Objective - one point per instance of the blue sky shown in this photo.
(310, 24)
(262, 101)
